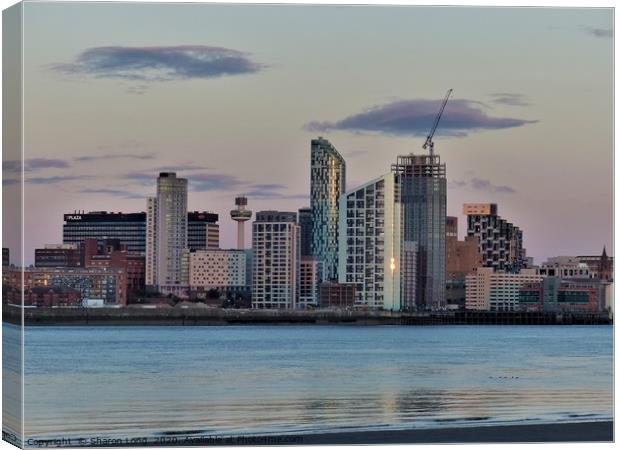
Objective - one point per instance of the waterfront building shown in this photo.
(564, 267)
(104, 283)
(6, 260)
(166, 234)
(308, 282)
(501, 242)
(241, 215)
(57, 255)
(462, 259)
(276, 260)
(601, 267)
(221, 270)
(112, 253)
(556, 295)
(422, 181)
(42, 296)
(327, 184)
(370, 244)
(337, 295)
(203, 231)
(129, 228)
(488, 290)
(305, 229)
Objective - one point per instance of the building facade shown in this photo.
(370, 243)
(276, 260)
(557, 295)
(308, 283)
(488, 290)
(327, 184)
(422, 180)
(223, 270)
(462, 259)
(305, 229)
(501, 242)
(129, 228)
(203, 231)
(564, 267)
(337, 295)
(58, 255)
(167, 233)
(111, 253)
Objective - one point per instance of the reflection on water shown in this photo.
(147, 381)
(12, 383)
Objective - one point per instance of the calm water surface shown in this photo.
(157, 381)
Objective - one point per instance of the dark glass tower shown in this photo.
(423, 187)
(327, 184)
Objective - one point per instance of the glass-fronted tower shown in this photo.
(423, 187)
(327, 184)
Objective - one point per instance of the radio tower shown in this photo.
(241, 215)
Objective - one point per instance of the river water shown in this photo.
(85, 382)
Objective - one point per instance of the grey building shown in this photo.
(422, 180)
(327, 184)
(305, 229)
(166, 233)
(203, 231)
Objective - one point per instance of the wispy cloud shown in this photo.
(507, 98)
(15, 166)
(158, 63)
(180, 168)
(10, 181)
(117, 156)
(600, 32)
(479, 184)
(213, 182)
(114, 192)
(55, 180)
(415, 117)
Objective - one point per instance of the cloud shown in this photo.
(213, 182)
(479, 184)
(120, 156)
(509, 99)
(15, 166)
(415, 117)
(54, 180)
(179, 168)
(9, 181)
(354, 153)
(114, 192)
(600, 32)
(148, 64)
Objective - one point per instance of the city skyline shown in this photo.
(96, 138)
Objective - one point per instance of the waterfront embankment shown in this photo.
(218, 316)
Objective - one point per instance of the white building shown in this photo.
(276, 260)
(564, 267)
(166, 235)
(487, 290)
(217, 269)
(370, 245)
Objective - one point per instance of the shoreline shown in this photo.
(219, 316)
(593, 431)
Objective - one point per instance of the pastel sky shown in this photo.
(230, 96)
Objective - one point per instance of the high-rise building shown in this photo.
(501, 242)
(166, 232)
(422, 180)
(489, 290)
(370, 244)
(327, 184)
(241, 215)
(305, 228)
(5, 257)
(462, 258)
(129, 228)
(203, 231)
(276, 260)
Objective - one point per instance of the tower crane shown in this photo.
(429, 139)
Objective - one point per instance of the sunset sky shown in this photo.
(229, 96)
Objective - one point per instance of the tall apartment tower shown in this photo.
(422, 180)
(501, 242)
(276, 260)
(327, 184)
(370, 245)
(166, 235)
(241, 215)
